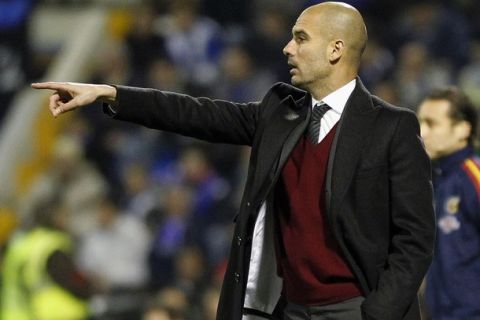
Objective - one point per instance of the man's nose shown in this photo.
(423, 130)
(287, 50)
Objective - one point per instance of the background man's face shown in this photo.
(440, 133)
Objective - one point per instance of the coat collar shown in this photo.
(452, 161)
(289, 122)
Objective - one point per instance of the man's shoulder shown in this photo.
(283, 90)
(396, 117)
(377, 101)
(470, 169)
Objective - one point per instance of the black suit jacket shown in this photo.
(378, 193)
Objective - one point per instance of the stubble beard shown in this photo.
(298, 82)
(302, 84)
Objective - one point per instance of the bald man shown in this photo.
(336, 221)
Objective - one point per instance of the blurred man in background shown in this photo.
(448, 126)
(40, 280)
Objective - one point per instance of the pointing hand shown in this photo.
(68, 96)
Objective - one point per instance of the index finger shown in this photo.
(50, 85)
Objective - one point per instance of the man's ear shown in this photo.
(336, 49)
(462, 129)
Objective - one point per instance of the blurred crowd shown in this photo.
(151, 213)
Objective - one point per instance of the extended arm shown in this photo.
(203, 118)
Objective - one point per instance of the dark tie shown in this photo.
(314, 127)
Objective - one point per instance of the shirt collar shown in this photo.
(452, 161)
(338, 98)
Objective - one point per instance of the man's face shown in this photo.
(307, 51)
(442, 135)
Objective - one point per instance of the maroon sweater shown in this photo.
(310, 262)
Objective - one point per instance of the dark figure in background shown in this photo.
(336, 220)
(266, 41)
(144, 46)
(14, 49)
(448, 123)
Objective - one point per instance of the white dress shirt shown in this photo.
(336, 101)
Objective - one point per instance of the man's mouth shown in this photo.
(293, 68)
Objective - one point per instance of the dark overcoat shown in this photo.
(378, 191)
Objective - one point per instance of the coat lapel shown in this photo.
(352, 131)
(288, 123)
(297, 130)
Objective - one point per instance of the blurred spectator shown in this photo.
(377, 63)
(270, 33)
(472, 11)
(169, 226)
(441, 29)
(8, 223)
(292, 7)
(191, 274)
(119, 148)
(210, 299)
(134, 146)
(113, 64)
(112, 148)
(175, 300)
(229, 12)
(387, 90)
(241, 80)
(78, 182)
(210, 204)
(102, 149)
(14, 49)
(418, 73)
(157, 311)
(144, 45)
(140, 196)
(39, 278)
(448, 126)
(193, 41)
(469, 76)
(115, 252)
(163, 74)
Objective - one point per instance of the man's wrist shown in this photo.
(107, 93)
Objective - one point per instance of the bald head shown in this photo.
(339, 20)
(327, 43)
